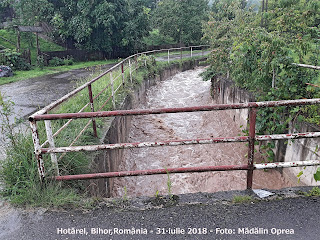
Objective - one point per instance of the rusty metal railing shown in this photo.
(251, 138)
(118, 75)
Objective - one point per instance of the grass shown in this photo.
(242, 199)
(315, 191)
(21, 182)
(28, 40)
(37, 72)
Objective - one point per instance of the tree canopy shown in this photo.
(89, 24)
(181, 19)
(102, 25)
(115, 25)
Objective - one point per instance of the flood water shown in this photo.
(182, 90)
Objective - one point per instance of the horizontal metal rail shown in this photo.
(307, 66)
(299, 102)
(186, 170)
(150, 172)
(144, 144)
(178, 142)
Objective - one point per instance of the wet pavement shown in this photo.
(285, 215)
(182, 90)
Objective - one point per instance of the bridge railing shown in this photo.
(113, 80)
(251, 139)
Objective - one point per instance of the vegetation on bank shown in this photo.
(19, 173)
(257, 50)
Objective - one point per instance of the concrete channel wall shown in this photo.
(224, 91)
(117, 129)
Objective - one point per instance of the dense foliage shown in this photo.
(14, 60)
(181, 20)
(258, 49)
(114, 25)
(92, 25)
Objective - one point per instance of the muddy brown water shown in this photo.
(187, 89)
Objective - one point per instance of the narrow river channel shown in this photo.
(186, 89)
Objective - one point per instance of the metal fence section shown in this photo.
(123, 71)
(251, 138)
(118, 75)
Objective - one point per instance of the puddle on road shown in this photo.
(186, 89)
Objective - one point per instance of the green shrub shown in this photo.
(68, 61)
(14, 60)
(40, 62)
(55, 61)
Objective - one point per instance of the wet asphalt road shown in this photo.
(192, 216)
(32, 94)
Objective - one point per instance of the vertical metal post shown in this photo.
(180, 54)
(168, 55)
(252, 136)
(18, 40)
(38, 45)
(52, 145)
(94, 126)
(112, 91)
(136, 62)
(130, 70)
(191, 52)
(122, 71)
(37, 149)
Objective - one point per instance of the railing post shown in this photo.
(252, 136)
(191, 53)
(136, 62)
(37, 149)
(130, 70)
(122, 71)
(94, 126)
(112, 91)
(180, 54)
(52, 145)
(168, 55)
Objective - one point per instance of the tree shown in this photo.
(102, 25)
(137, 25)
(30, 12)
(181, 19)
(226, 20)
